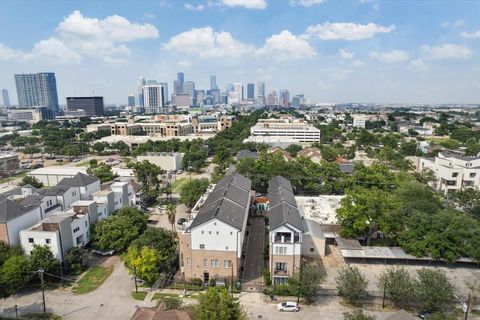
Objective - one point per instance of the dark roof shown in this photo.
(283, 214)
(346, 167)
(227, 202)
(279, 181)
(282, 204)
(56, 190)
(78, 180)
(18, 191)
(243, 154)
(10, 209)
(348, 244)
(450, 154)
(34, 199)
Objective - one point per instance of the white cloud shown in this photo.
(248, 4)
(456, 24)
(357, 63)
(347, 30)
(78, 36)
(390, 56)
(344, 54)
(198, 7)
(468, 35)
(7, 53)
(305, 3)
(446, 51)
(285, 46)
(338, 73)
(184, 64)
(206, 43)
(418, 64)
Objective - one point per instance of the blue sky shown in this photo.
(333, 51)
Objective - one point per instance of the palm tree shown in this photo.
(171, 211)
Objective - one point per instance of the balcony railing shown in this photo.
(280, 271)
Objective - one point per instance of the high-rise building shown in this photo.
(37, 89)
(153, 98)
(284, 99)
(165, 90)
(261, 89)
(181, 77)
(189, 88)
(272, 99)
(131, 101)
(250, 91)
(93, 106)
(298, 100)
(6, 99)
(213, 82)
(141, 83)
(177, 87)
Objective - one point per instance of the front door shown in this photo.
(206, 277)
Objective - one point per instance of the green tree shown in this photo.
(76, 260)
(161, 240)
(41, 258)
(217, 304)
(351, 284)
(468, 199)
(31, 180)
(293, 149)
(305, 283)
(7, 251)
(14, 273)
(329, 153)
(147, 174)
(222, 156)
(192, 190)
(103, 172)
(434, 290)
(118, 231)
(399, 286)
(357, 315)
(144, 262)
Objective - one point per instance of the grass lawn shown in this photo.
(92, 280)
(35, 316)
(140, 295)
(159, 295)
(177, 184)
(15, 176)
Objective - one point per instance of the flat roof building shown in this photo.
(93, 106)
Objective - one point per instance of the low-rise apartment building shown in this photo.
(453, 172)
(211, 242)
(165, 160)
(286, 231)
(15, 217)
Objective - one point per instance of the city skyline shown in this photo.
(352, 51)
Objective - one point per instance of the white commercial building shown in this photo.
(154, 98)
(284, 128)
(359, 120)
(165, 160)
(50, 176)
(453, 172)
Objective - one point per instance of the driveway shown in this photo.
(252, 275)
(112, 300)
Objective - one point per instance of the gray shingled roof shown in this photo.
(78, 180)
(284, 214)
(243, 154)
(10, 209)
(227, 202)
(282, 204)
(56, 190)
(279, 181)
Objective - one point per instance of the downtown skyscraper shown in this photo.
(37, 89)
(6, 99)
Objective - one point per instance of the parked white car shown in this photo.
(288, 306)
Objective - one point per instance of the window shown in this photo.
(454, 174)
(472, 174)
(76, 229)
(214, 263)
(214, 223)
(209, 232)
(30, 240)
(189, 261)
(281, 250)
(202, 231)
(281, 266)
(227, 263)
(217, 232)
(85, 223)
(205, 263)
(202, 246)
(231, 232)
(47, 241)
(312, 250)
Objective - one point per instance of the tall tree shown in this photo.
(435, 291)
(192, 190)
(306, 282)
(217, 304)
(144, 262)
(399, 286)
(171, 213)
(351, 284)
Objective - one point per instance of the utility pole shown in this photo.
(384, 293)
(43, 293)
(466, 306)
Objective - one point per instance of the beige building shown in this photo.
(9, 163)
(211, 242)
(286, 231)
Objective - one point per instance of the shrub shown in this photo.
(266, 277)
